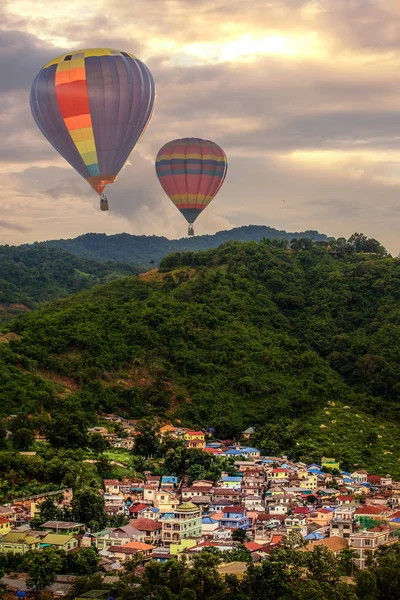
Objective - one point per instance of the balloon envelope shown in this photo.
(93, 106)
(191, 172)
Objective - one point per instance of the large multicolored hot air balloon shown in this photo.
(93, 106)
(191, 172)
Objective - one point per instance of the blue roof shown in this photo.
(314, 465)
(314, 536)
(233, 452)
(152, 508)
(315, 470)
(395, 520)
(169, 479)
(267, 460)
(348, 479)
(345, 473)
(365, 484)
(232, 478)
(208, 521)
(250, 449)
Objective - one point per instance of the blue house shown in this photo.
(233, 452)
(251, 452)
(168, 482)
(234, 517)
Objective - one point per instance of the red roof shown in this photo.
(279, 471)
(276, 539)
(301, 510)
(3, 520)
(195, 433)
(346, 498)
(374, 478)
(234, 509)
(324, 511)
(252, 546)
(137, 508)
(370, 510)
(269, 517)
(145, 524)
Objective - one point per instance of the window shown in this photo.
(367, 542)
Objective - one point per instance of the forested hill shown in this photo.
(30, 276)
(143, 249)
(303, 345)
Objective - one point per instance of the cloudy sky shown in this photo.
(303, 95)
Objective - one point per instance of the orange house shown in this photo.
(322, 516)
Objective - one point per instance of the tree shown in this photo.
(239, 535)
(42, 567)
(97, 443)
(88, 508)
(68, 430)
(147, 440)
(84, 561)
(23, 439)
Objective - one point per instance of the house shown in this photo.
(278, 509)
(194, 439)
(343, 523)
(310, 482)
(113, 537)
(209, 525)
(360, 476)
(63, 527)
(234, 517)
(234, 495)
(152, 530)
(112, 486)
(251, 452)
(334, 544)
(6, 512)
(330, 463)
(231, 482)
(165, 501)
(150, 512)
(248, 433)
(343, 500)
(321, 516)
(168, 482)
(374, 512)
(60, 542)
(5, 526)
(189, 493)
(114, 504)
(184, 522)
(278, 474)
(366, 543)
(18, 543)
(125, 552)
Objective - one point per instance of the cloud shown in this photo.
(302, 95)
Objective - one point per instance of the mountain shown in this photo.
(142, 249)
(30, 276)
(303, 345)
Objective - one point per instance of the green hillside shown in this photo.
(142, 249)
(247, 334)
(30, 276)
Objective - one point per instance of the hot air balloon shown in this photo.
(93, 106)
(191, 172)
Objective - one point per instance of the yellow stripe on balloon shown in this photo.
(82, 135)
(87, 53)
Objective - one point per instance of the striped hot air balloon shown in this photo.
(191, 172)
(93, 106)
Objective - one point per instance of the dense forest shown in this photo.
(146, 250)
(30, 276)
(302, 344)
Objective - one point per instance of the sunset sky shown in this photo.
(303, 95)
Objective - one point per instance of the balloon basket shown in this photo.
(103, 203)
(190, 230)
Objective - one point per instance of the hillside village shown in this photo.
(165, 518)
